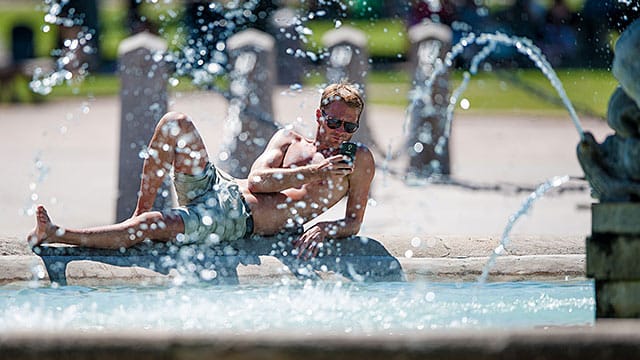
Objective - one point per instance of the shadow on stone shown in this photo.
(356, 258)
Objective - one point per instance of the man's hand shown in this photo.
(335, 165)
(310, 242)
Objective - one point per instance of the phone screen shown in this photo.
(349, 149)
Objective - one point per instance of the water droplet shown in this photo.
(430, 296)
(415, 242)
(214, 68)
(143, 154)
(207, 274)
(418, 147)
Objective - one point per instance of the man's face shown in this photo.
(336, 123)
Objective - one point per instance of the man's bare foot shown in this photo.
(43, 229)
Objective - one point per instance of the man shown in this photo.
(295, 180)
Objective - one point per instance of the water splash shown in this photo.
(526, 205)
(395, 308)
(68, 65)
(41, 173)
(489, 42)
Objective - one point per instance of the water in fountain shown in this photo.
(309, 308)
(489, 43)
(524, 209)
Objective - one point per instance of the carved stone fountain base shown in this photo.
(613, 259)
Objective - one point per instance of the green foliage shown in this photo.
(386, 38)
(112, 31)
(499, 91)
(45, 41)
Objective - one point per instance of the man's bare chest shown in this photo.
(301, 154)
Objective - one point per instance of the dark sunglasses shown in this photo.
(336, 123)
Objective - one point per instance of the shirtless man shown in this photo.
(295, 180)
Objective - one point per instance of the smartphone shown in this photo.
(349, 149)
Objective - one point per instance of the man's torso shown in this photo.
(272, 212)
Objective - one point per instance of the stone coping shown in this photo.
(607, 339)
(266, 260)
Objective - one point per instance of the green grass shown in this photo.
(105, 85)
(509, 91)
(518, 91)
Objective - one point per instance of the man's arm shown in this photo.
(360, 180)
(268, 174)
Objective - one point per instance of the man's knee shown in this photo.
(147, 219)
(152, 225)
(173, 124)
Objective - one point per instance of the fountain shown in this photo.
(287, 311)
(613, 170)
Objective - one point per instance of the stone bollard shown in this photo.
(289, 53)
(250, 122)
(143, 99)
(349, 60)
(427, 143)
(613, 171)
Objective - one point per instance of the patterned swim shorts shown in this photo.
(212, 207)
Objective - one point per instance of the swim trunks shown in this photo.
(212, 207)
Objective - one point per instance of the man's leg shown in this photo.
(150, 225)
(175, 143)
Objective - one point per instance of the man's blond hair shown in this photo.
(345, 92)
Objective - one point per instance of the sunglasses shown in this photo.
(336, 123)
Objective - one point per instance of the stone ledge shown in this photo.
(608, 339)
(390, 258)
(269, 269)
(427, 245)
